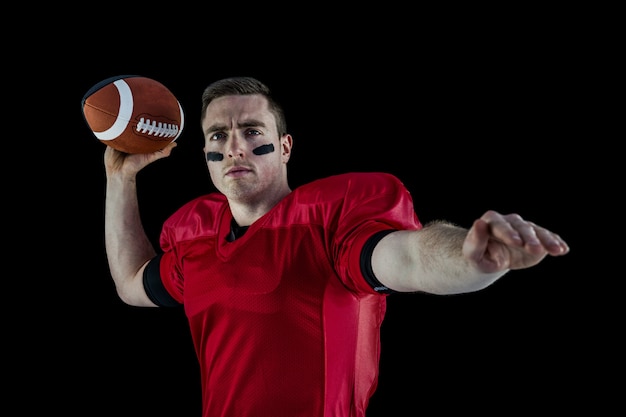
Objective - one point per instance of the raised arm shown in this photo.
(443, 258)
(127, 245)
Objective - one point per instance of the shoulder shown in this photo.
(359, 196)
(358, 178)
(363, 183)
(200, 213)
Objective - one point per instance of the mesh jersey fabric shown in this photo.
(282, 320)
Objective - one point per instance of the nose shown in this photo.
(235, 146)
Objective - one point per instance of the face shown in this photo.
(246, 156)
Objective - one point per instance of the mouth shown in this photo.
(237, 171)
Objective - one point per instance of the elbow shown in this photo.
(470, 284)
(124, 296)
(133, 295)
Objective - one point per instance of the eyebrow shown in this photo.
(222, 127)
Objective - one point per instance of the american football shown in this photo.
(133, 114)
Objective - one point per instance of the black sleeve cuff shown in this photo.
(154, 286)
(366, 262)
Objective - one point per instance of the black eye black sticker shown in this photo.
(263, 149)
(214, 156)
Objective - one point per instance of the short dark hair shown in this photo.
(241, 86)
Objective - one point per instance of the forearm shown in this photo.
(127, 245)
(429, 260)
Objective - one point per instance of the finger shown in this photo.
(550, 241)
(536, 239)
(526, 231)
(505, 228)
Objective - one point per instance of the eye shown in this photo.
(253, 132)
(217, 136)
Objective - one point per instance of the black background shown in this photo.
(469, 120)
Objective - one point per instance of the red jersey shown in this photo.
(283, 322)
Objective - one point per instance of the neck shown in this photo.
(246, 213)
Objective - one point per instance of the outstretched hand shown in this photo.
(129, 164)
(496, 242)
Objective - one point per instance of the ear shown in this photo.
(286, 143)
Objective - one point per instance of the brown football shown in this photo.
(133, 114)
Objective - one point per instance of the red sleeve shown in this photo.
(193, 221)
(373, 202)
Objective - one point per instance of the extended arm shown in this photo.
(443, 258)
(127, 245)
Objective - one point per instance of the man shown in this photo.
(285, 290)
